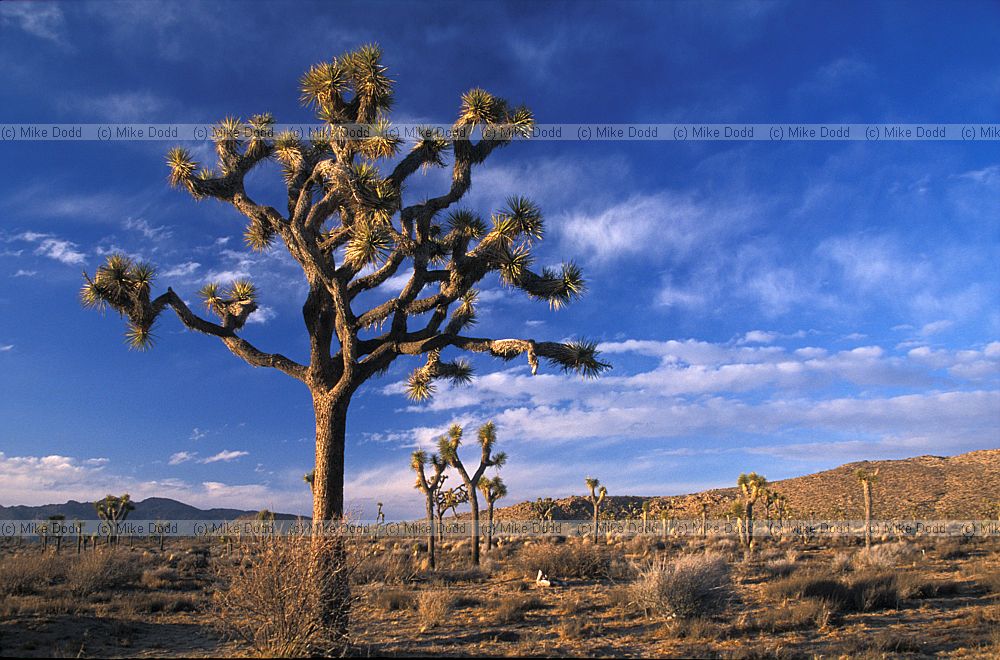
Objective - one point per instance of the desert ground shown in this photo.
(623, 597)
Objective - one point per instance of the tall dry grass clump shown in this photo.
(272, 599)
(25, 574)
(103, 571)
(688, 586)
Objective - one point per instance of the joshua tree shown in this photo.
(430, 489)
(492, 490)
(448, 448)
(751, 486)
(347, 226)
(866, 478)
(543, 509)
(738, 512)
(704, 519)
(597, 495)
(78, 528)
(56, 523)
(114, 510)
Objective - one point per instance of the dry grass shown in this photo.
(273, 599)
(512, 608)
(433, 607)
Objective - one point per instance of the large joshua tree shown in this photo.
(347, 226)
(752, 487)
(448, 449)
(429, 487)
(867, 478)
(597, 495)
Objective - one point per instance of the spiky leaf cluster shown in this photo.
(124, 285)
(234, 304)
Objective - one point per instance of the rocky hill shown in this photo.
(923, 487)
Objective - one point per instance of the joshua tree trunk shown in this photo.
(431, 534)
(749, 524)
(867, 489)
(596, 535)
(329, 555)
(704, 522)
(489, 528)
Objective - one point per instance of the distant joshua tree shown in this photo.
(114, 510)
(543, 509)
(867, 478)
(448, 449)
(751, 486)
(597, 495)
(492, 490)
(738, 513)
(345, 223)
(430, 488)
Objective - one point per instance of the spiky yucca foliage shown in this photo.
(347, 222)
(448, 449)
(114, 510)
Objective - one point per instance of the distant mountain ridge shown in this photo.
(153, 508)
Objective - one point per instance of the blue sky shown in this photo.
(778, 307)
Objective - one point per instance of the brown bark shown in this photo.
(867, 488)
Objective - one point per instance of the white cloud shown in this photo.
(181, 457)
(182, 270)
(149, 231)
(6, 348)
(25, 273)
(262, 315)
(225, 455)
(197, 433)
(935, 327)
(60, 250)
(43, 20)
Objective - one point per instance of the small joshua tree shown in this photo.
(866, 478)
(597, 495)
(492, 490)
(543, 509)
(430, 488)
(114, 510)
(448, 448)
(751, 486)
(738, 512)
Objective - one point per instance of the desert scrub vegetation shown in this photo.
(512, 608)
(25, 574)
(569, 561)
(688, 586)
(271, 599)
(864, 591)
(433, 607)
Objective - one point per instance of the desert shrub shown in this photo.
(951, 548)
(573, 629)
(433, 607)
(513, 608)
(103, 571)
(841, 562)
(570, 560)
(987, 575)
(391, 600)
(688, 586)
(159, 578)
(913, 585)
(811, 613)
(272, 598)
(886, 555)
(861, 592)
(695, 628)
(24, 574)
(385, 566)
